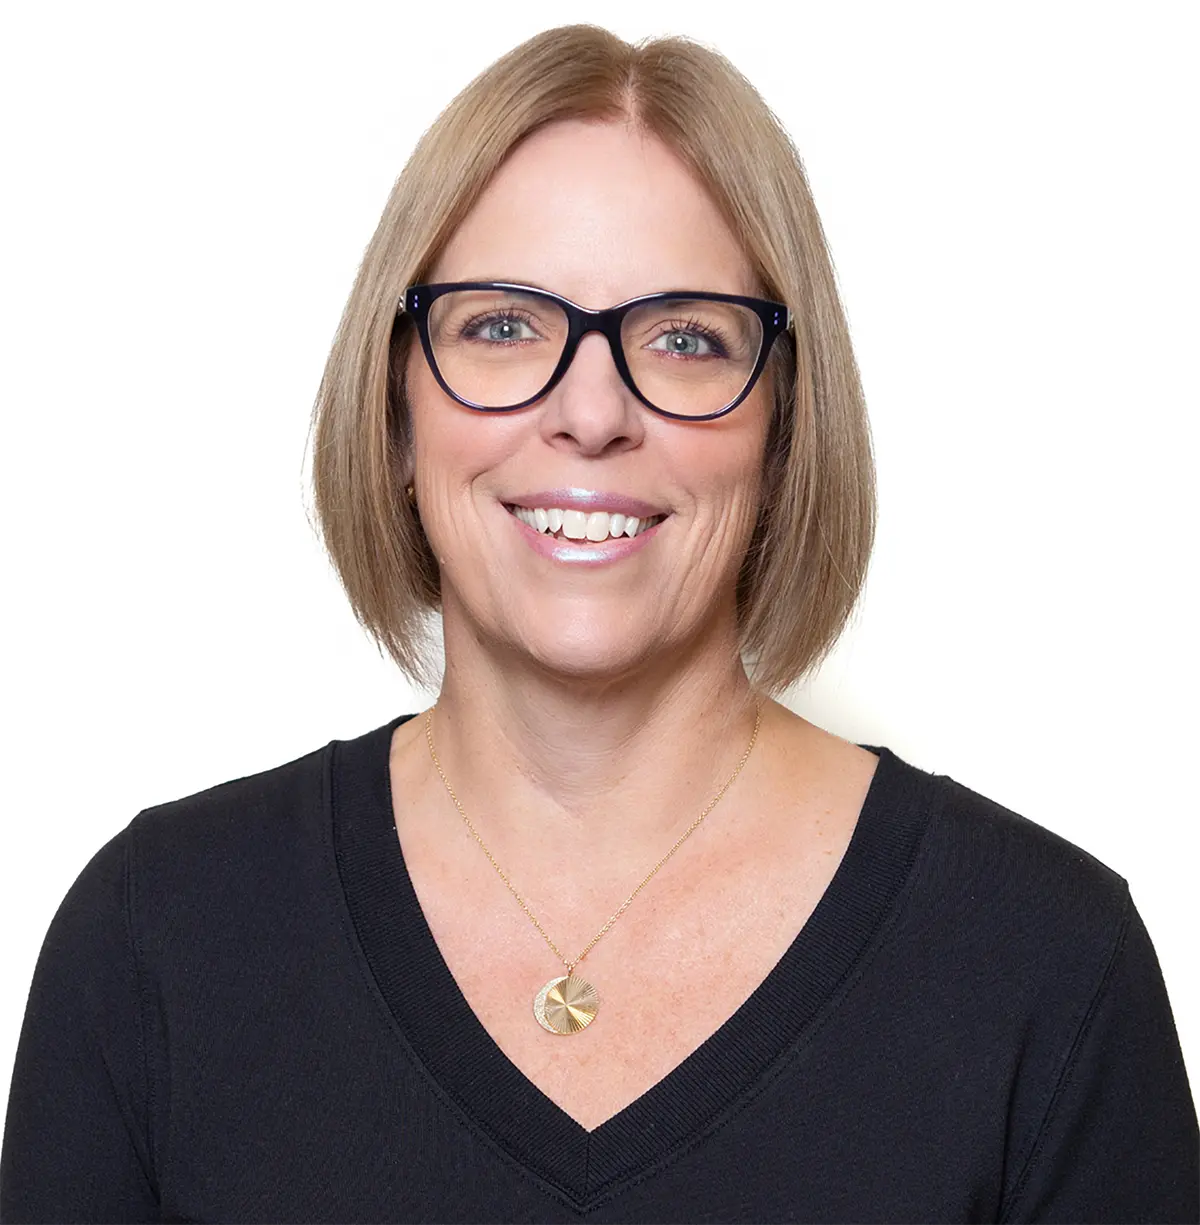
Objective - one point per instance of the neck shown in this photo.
(560, 767)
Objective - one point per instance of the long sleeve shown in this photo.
(75, 1142)
(1119, 1140)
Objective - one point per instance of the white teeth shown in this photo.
(574, 525)
(597, 526)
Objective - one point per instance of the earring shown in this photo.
(412, 495)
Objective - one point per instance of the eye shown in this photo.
(689, 340)
(498, 328)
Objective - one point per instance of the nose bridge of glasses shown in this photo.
(583, 321)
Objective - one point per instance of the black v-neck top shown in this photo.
(240, 1014)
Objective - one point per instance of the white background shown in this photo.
(1010, 195)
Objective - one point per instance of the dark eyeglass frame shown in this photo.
(775, 317)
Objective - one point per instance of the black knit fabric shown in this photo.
(240, 1014)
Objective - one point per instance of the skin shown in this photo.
(559, 215)
(588, 715)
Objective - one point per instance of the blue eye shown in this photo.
(688, 344)
(690, 341)
(499, 329)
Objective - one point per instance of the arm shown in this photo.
(76, 1144)
(1119, 1141)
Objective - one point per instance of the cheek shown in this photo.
(451, 445)
(723, 461)
(452, 448)
(428, 411)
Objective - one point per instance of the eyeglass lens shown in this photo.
(498, 348)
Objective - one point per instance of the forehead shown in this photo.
(598, 212)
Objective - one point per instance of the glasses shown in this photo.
(498, 347)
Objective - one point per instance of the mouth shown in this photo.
(582, 527)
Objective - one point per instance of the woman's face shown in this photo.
(598, 213)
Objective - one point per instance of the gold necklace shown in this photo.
(568, 1003)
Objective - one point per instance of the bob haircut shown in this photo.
(808, 553)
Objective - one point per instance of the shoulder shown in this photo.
(259, 836)
(994, 882)
(196, 862)
(1035, 968)
(1022, 859)
(188, 869)
(215, 825)
(218, 878)
(238, 813)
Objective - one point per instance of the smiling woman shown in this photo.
(566, 165)
(608, 933)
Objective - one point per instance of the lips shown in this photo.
(587, 501)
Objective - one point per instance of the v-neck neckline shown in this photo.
(466, 1062)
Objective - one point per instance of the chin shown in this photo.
(591, 653)
(576, 639)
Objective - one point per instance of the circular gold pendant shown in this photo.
(565, 1005)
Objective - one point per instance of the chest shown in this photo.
(667, 975)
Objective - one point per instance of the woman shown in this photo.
(606, 933)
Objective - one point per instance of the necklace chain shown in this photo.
(687, 833)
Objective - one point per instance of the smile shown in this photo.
(595, 526)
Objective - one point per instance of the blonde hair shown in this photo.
(808, 554)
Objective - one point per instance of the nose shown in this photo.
(591, 411)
